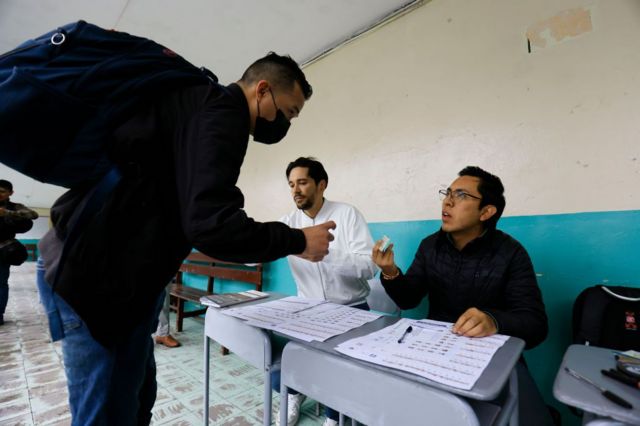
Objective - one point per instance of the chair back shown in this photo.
(608, 316)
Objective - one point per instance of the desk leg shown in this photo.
(513, 391)
(266, 418)
(509, 412)
(206, 380)
(284, 390)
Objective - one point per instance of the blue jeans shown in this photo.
(4, 288)
(275, 377)
(107, 386)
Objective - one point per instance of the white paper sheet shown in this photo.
(304, 319)
(430, 350)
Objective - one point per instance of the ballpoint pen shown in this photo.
(606, 393)
(407, 331)
(621, 377)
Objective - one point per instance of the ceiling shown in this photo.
(223, 35)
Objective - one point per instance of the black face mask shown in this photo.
(270, 132)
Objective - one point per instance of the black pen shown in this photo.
(606, 393)
(621, 377)
(407, 331)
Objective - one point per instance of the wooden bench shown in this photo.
(32, 251)
(199, 264)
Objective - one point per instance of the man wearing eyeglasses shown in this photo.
(477, 277)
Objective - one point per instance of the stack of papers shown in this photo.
(429, 349)
(229, 299)
(304, 319)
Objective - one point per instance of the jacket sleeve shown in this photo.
(19, 218)
(525, 316)
(355, 261)
(208, 155)
(408, 290)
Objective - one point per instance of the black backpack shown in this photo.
(608, 316)
(62, 95)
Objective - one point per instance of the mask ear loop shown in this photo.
(273, 98)
(258, 105)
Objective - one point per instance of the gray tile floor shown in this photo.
(33, 384)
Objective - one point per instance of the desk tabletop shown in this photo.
(588, 361)
(486, 388)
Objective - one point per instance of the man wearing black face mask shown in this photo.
(180, 159)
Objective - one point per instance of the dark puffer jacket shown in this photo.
(492, 273)
(16, 220)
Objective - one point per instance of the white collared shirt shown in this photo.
(341, 277)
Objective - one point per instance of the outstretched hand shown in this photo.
(318, 238)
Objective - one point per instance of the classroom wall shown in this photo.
(397, 113)
(544, 94)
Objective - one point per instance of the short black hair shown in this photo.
(316, 169)
(281, 71)
(491, 190)
(6, 185)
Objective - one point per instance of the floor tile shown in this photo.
(20, 420)
(52, 415)
(13, 410)
(33, 385)
(14, 397)
(169, 411)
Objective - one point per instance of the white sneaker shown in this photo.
(329, 422)
(293, 409)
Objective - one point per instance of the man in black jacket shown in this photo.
(477, 277)
(14, 219)
(179, 158)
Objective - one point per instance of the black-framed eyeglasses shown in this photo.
(457, 195)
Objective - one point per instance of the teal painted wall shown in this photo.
(569, 251)
(30, 241)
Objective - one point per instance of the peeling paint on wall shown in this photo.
(565, 25)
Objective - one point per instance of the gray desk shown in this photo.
(255, 346)
(488, 386)
(249, 343)
(379, 395)
(588, 361)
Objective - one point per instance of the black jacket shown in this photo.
(492, 273)
(18, 219)
(180, 160)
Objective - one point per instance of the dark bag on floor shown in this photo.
(12, 252)
(64, 93)
(608, 316)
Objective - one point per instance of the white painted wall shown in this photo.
(398, 112)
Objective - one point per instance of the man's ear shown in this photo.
(487, 212)
(322, 185)
(262, 88)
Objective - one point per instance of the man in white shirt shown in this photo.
(341, 277)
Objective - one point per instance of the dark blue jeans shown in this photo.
(275, 377)
(107, 386)
(4, 288)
